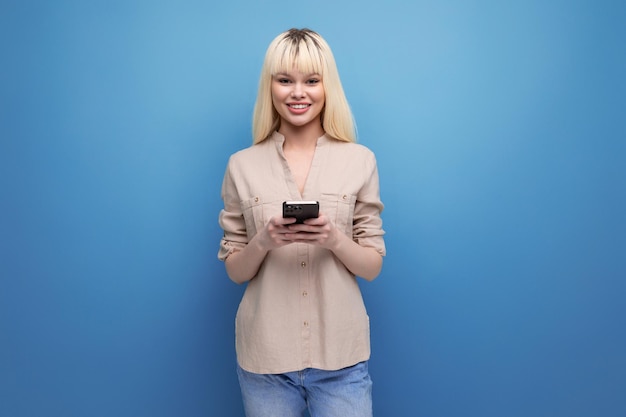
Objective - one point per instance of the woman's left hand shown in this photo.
(318, 231)
(360, 260)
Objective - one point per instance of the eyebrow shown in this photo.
(285, 74)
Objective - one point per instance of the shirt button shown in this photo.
(303, 264)
(306, 324)
(256, 199)
(344, 197)
(304, 293)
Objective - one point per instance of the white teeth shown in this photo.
(298, 106)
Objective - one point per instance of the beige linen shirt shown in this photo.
(303, 309)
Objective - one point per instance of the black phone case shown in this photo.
(301, 210)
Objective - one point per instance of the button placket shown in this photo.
(305, 306)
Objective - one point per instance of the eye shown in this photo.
(283, 80)
(313, 81)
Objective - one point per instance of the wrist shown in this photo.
(336, 240)
(259, 244)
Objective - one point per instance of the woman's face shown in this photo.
(298, 98)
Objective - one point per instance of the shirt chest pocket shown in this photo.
(339, 208)
(257, 211)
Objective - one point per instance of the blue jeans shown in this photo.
(343, 393)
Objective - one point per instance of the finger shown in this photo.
(318, 221)
(283, 221)
(306, 237)
(303, 228)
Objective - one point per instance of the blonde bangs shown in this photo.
(304, 56)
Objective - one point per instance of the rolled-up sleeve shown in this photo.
(368, 226)
(231, 218)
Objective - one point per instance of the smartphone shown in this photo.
(301, 210)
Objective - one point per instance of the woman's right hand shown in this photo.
(274, 234)
(243, 265)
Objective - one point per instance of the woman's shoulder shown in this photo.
(351, 149)
(252, 152)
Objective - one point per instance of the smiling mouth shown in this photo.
(298, 106)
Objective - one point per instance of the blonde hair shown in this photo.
(306, 51)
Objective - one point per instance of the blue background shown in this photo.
(500, 133)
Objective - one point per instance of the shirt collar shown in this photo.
(279, 139)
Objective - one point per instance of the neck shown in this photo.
(301, 136)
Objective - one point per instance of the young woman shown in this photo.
(302, 331)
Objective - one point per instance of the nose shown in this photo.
(298, 91)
